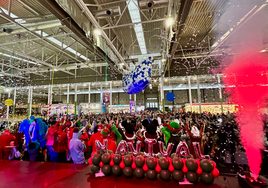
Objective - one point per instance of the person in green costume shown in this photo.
(171, 133)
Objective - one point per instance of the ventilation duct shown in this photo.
(148, 5)
(106, 13)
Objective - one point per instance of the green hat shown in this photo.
(174, 126)
(105, 132)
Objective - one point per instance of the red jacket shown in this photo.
(69, 136)
(94, 137)
(111, 144)
(84, 138)
(5, 140)
(60, 142)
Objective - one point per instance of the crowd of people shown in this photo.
(69, 140)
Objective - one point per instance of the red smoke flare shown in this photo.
(248, 74)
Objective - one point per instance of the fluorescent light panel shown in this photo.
(13, 16)
(19, 58)
(135, 17)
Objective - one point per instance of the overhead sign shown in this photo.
(9, 102)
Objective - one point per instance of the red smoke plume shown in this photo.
(248, 74)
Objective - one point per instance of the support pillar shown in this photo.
(101, 99)
(199, 95)
(75, 100)
(31, 101)
(190, 93)
(88, 99)
(220, 91)
(135, 100)
(111, 93)
(130, 106)
(28, 104)
(14, 101)
(8, 106)
(48, 102)
(68, 98)
(162, 98)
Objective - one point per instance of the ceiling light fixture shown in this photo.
(170, 21)
(97, 32)
(263, 51)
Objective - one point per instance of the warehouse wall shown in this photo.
(181, 97)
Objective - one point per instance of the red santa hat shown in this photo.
(100, 127)
(6, 132)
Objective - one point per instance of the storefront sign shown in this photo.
(9, 102)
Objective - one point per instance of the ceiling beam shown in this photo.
(34, 39)
(32, 27)
(133, 24)
(5, 16)
(90, 16)
(33, 59)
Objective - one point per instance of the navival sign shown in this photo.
(9, 102)
(130, 161)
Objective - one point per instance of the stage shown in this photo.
(46, 174)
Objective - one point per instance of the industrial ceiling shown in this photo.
(83, 41)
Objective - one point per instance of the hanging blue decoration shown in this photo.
(138, 79)
(170, 96)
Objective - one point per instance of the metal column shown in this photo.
(14, 101)
(89, 98)
(48, 103)
(162, 98)
(101, 99)
(8, 106)
(111, 93)
(75, 100)
(28, 104)
(130, 106)
(68, 98)
(31, 101)
(199, 95)
(190, 93)
(135, 100)
(220, 91)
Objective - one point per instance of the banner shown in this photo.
(106, 98)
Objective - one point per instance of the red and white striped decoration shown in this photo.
(49, 107)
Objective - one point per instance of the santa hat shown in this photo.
(6, 132)
(76, 130)
(174, 126)
(105, 132)
(100, 127)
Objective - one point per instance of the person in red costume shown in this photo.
(111, 144)
(127, 131)
(151, 133)
(60, 145)
(84, 139)
(5, 148)
(50, 141)
(96, 136)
